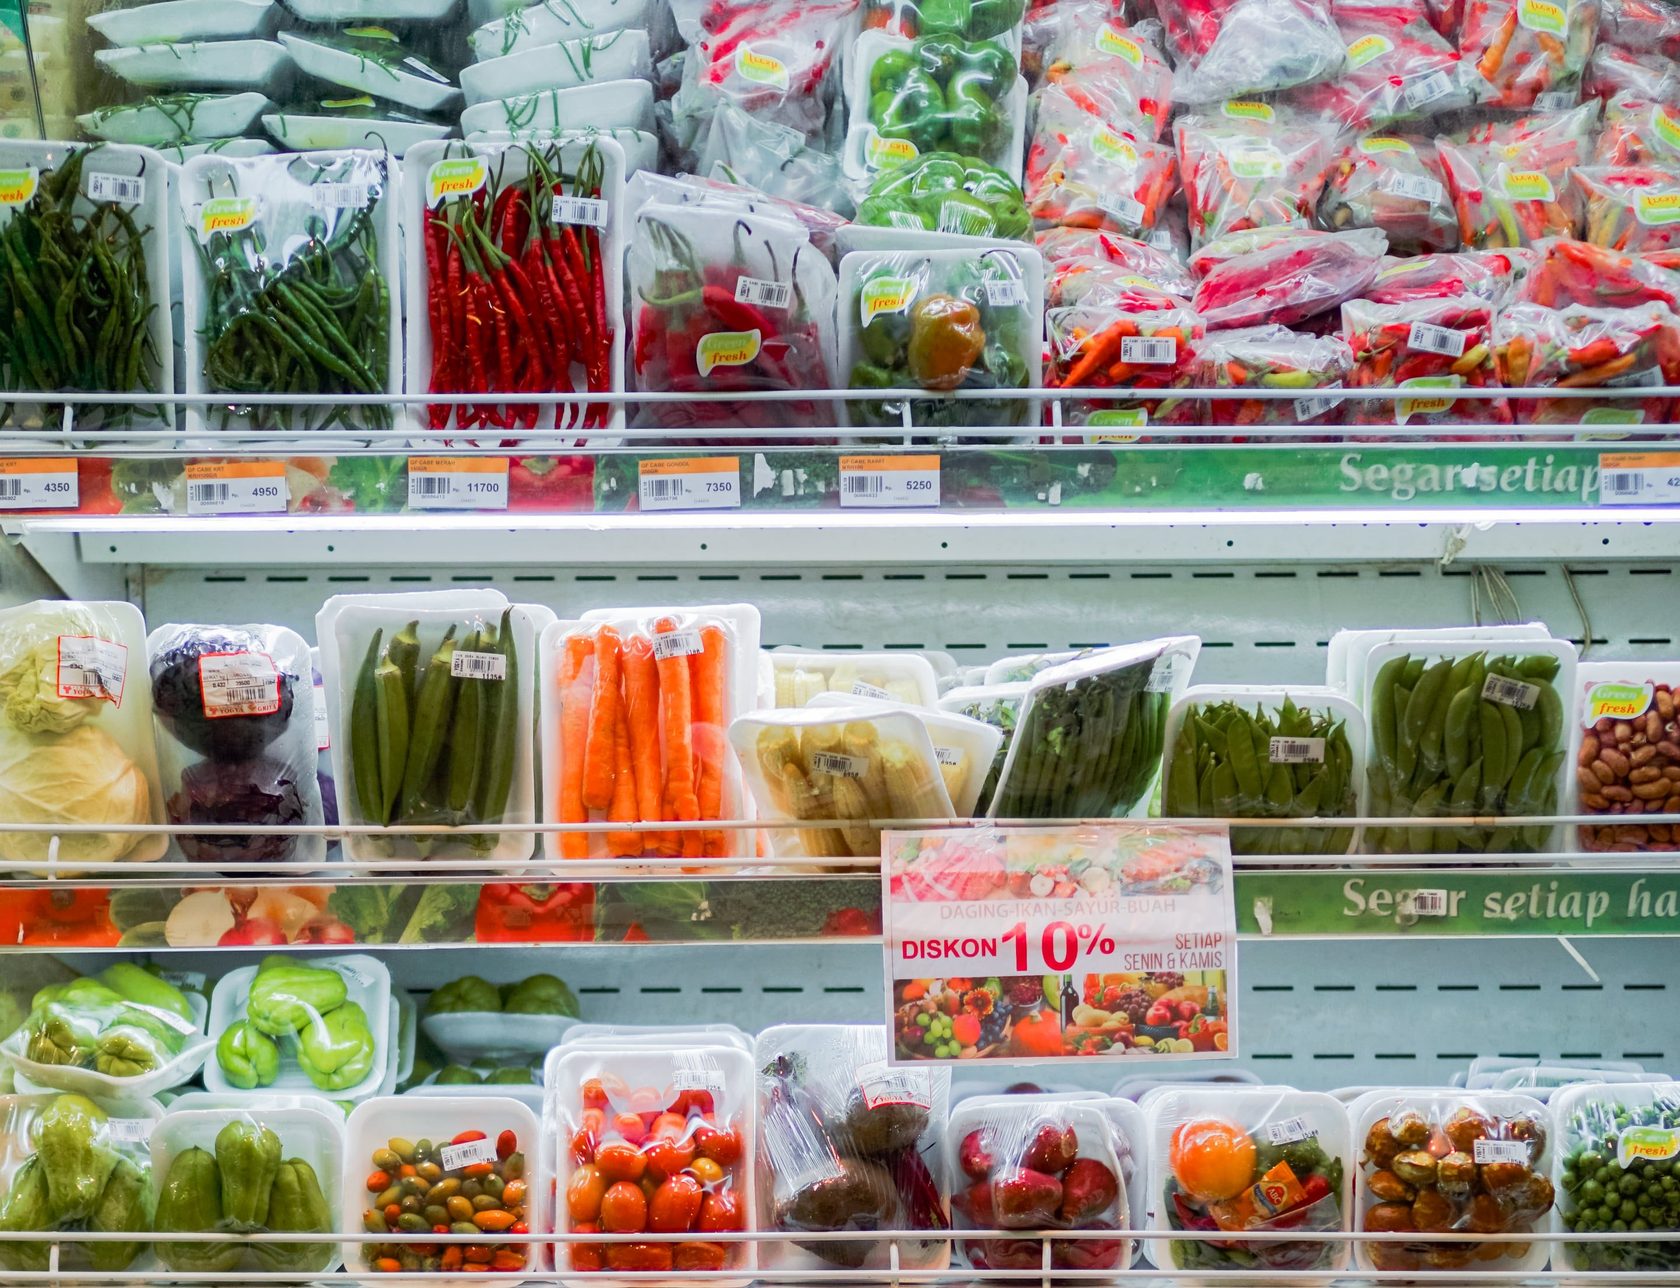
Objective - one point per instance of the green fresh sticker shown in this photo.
(879, 152)
(727, 349)
(373, 33)
(458, 178)
(760, 69)
(1117, 418)
(18, 186)
(885, 295)
(1543, 16)
(1650, 1144)
(1257, 161)
(1666, 126)
(1616, 701)
(226, 215)
(1406, 408)
(1367, 49)
(1612, 416)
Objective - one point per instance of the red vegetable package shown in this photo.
(1292, 275)
(1393, 184)
(1639, 130)
(1568, 272)
(1126, 254)
(1487, 274)
(1090, 171)
(1274, 358)
(1643, 26)
(1632, 208)
(1398, 68)
(1431, 346)
(1614, 70)
(728, 304)
(1077, 279)
(1507, 179)
(653, 1140)
(1132, 337)
(1227, 50)
(1588, 348)
(1113, 69)
(1522, 49)
(1249, 165)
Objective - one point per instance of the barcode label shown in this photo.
(889, 481)
(123, 189)
(1426, 89)
(863, 689)
(465, 665)
(1645, 378)
(587, 212)
(1162, 239)
(838, 764)
(678, 644)
(883, 1085)
(129, 1131)
(1149, 350)
(29, 483)
(1429, 338)
(948, 756)
(1004, 293)
(340, 196)
(89, 667)
(697, 483)
(1161, 675)
(1413, 187)
(236, 487)
(468, 1152)
(1311, 408)
(1622, 483)
(457, 482)
(1501, 1151)
(1428, 903)
(188, 981)
(863, 484)
(1651, 478)
(1555, 100)
(695, 1073)
(1296, 751)
(1287, 1131)
(1512, 693)
(238, 684)
(763, 293)
(323, 726)
(1128, 210)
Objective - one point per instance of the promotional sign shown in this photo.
(1045, 943)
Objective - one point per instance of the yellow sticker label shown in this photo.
(1241, 109)
(1114, 147)
(879, 152)
(760, 69)
(458, 178)
(726, 349)
(1377, 144)
(1527, 185)
(18, 186)
(1666, 125)
(1542, 15)
(1616, 702)
(1257, 161)
(1110, 41)
(1657, 207)
(226, 215)
(1406, 408)
(885, 295)
(1367, 49)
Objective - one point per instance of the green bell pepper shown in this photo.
(138, 985)
(889, 70)
(247, 1056)
(469, 993)
(943, 17)
(248, 1157)
(287, 997)
(336, 1050)
(913, 110)
(539, 995)
(948, 193)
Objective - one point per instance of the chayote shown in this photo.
(191, 1202)
(126, 1206)
(71, 1142)
(286, 997)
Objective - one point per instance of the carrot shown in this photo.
(1098, 353)
(1495, 55)
(599, 754)
(574, 738)
(1599, 374)
(623, 845)
(706, 670)
(641, 709)
(676, 716)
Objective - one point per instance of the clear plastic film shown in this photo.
(1395, 185)
(1084, 249)
(1449, 1161)
(1246, 164)
(1521, 50)
(1563, 271)
(777, 161)
(847, 1143)
(1638, 130)
(984, 20)
(1508, 180)
(741, 197)
(998, 705)
(964, 748)
(1274, 357)
(263, 1169)
(1641, 26)
(1433, 346)
(236, 738)
(1485, 274)
(75, 732)
(1643, 74)
(1627, 724)
(945, 192)
(1616, 1145)
(799, 676)
(1282, 275)
(1116, 68)
(1229, 48)
(1398, 68)
(1586, 348)
(1235, 1159)
(69, 1163)
(1633, 208)
(1036, 1162)
(1123, 333)
(1086, 168)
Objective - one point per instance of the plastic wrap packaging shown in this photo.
(321, 1024)
(1616, 1144)
(1283, 275)
(773, 159)
(1229, 48)
(1644, 26)
(1230, 1159)
(821, 224)
(1113, 69)
(1299, 754)
(1586, 348)
(798, 676)
(1431, 345)
(444, 1139)
(821, 764)
(1274, 357)
(657, 1139)
(1398, 68)
(945, 192)
(1395, 185)
(1082, 249)
(70, 1163)
(1639, 131)
(1089, 734)
(1487, 275)
(1521, 50)
(1565, 272)
(1125, 335)
(1641, 73)
(1465, 728)
(432, 714)
(259, 228)
(76, 732)
(258, 1170)
(942, 320)
(471, 1018)
(1508, 180)
(728, 305)
(1450, 1161)
(977, 20)
(847, 1143)
(635, 715)
(236, 739)
(1037, 1162)
(1249, 165)
(1087, 169)
(1345, 666)
(964, 748)
(1627, 725)
(997, 705)
(1627, 208)
(124, 1032)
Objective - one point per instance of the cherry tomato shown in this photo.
(620, 1162)
(690, 1102)
(646, 1100)
(720, 1144)
(624, 1209)
(700, 1256)
(639, 1256)
(708, 1172)
(587, 1138)
(669, 1149)
(629, 1127)
(720, 1212)
(586, 1256)
(675, 1205)
(583, 1194)
(594, 1094)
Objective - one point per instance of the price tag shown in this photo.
(468, 1152)
(457, 482)
(690, 483)
(837, 763)
(188, 981)
(1149, 350)
(1005, 293)
(1624, 478)
(1128, 210)
(697, 1074)
(1310, 408)
(340, 196)
(89, 667)
(949, 756)
(464, 665)
(1428, 338)
(236, 487)
(1296, 751)
(889, 482)
(763, 293)
(882, 1084)
(587, 212)
(1288, 1131)
(864, 690)
(1415, 187)
(323, 726)
(38, 483)
(129, 1131)
(1512, 693)
(238, 684)
(1502, 1151)
(1072, 908)
(684, 643)
(123, 189)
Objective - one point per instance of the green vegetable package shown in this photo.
(123, 1026)
(997, 705)
(72, 1164)
(1620, 1173)
(320, 1024)
(946, 192)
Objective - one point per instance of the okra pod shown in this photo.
(364, 737)
(430, 727)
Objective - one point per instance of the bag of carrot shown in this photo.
(1088, 169)
(1246, 164)
(1131, 337)
(1507, 178)
(1588, 348)
(1523, 49)
(520, 277)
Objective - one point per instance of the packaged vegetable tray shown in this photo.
(1452, 1161)
(522, 250)
(76, 732)
(946, 192)
(291, 284)
(1394, 184)
(847, 1143)
(1089, 733)
(964, 748)
(1626, 752)
(1090, 166)
(1345, 660)
(998, 705)
(1616, 1146)
(236, 739)
(70, 1163)
(1246, 164)
(655, 1139)
(941, 320)
(1266, 751)
(1230, 1159)
(258, 1169)
(799, 675)
(1620, 349)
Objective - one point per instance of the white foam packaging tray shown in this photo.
(583, 60)
(90, 1082)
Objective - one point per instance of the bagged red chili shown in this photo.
(1430, 346)
(1246, 164)
(1398, 68)
(1287, 276)
(1644, 72)
(1631, 208)
(1227, 50)
(1089, 170)
(1274, 358)
(1523, 49)
(1507, 177)
(1116, 70)
(729, 305)
(1126, 255)
(1587, 348)
(1567, 271)
(1644, 26)
(1638, 130)
(1487, 274)
(1395, 184)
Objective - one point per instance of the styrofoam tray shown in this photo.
(184, 118)
(531, 1097)
(957, 740)
(641, 148)
(609, 105)
(168, 21)
(238, 66)
(587, 60)
(304, 133)
(506, 26)
(868, 675)
(177, 156)
(488, 1034)
(340, 12)
(90, 1082)
(341, 67)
